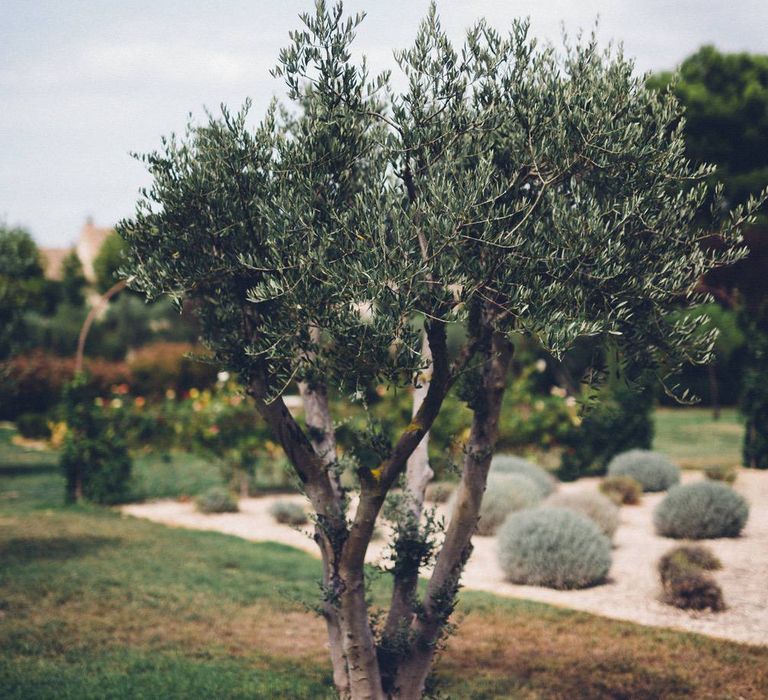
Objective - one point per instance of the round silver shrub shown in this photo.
(600, 509)
(553, 547)
(652, 470)
(288, 513)
(703, 510)
(216, 500)
(512, 464)
(504, 494)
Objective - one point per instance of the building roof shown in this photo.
(88, 245)
(52, 261)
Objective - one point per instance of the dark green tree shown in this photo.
(108, 261)
(73, 280)
(726, 100)
(506, 187)
(21, 283)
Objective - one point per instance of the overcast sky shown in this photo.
(83, 83)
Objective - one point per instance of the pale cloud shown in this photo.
(176, 63)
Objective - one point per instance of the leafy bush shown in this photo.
(704, 510)
(652, 470)
(598, 508)
(553, 547)
(105, 466)
(720, 472)
(33, 426)
(288, 513)
(95, 458)
(622, 489)
(439, 491)
(619, 421)
(684, 579)
(529, 417)
(505, 494)
(216, 500)
(511, 464)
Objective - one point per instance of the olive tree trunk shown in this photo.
(418, 472)
(363, 669)
(427, 628)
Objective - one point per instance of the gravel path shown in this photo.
(631, 592)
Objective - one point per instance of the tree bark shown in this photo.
(418, 472)
(343, 546)
(317, 416)
(408, 546)
(444, 583)
(358, 644)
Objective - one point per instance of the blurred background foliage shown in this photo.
(152, 384)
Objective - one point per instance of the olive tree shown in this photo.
(509, 188)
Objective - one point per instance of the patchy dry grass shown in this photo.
(693, 439)
(95, 605)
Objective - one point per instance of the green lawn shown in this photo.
(692, 438)
(173, 475)
(95, 605)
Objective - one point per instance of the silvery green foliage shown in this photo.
(512, 464)
(703, 510)
(505, 494)
(600, 509)
(553, 547)
(652, 470)
(550, 187)
(288, 513)
(216, 500)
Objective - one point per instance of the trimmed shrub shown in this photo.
(623, 490)
(288, 513)
(653, 471)
(600, 509)
(216, 500)
(553, 547)
(439, 492)
(687, 556)
(33, 426)
(685, 581)
(704, 510)
(511, 464)
(720, 472)
(504, 494)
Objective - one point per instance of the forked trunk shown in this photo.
(439, 601)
